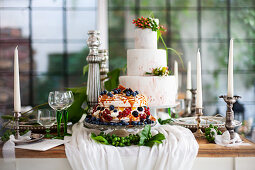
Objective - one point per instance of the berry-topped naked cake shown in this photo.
(121, 106)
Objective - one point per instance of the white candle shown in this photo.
(230, 70)
(199, 101)
(176, 73)
(17, 103)
(188, 92)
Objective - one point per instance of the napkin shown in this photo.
(44, 145)
(224, 139)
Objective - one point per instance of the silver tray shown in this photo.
(191, 123)
(34, 138)
(115, 127)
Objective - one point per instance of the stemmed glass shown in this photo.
(46, 118)
(58, 100)
(65, 112)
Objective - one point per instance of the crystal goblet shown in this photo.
(47, 118)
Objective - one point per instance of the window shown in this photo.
(194, 24)
(51, 35)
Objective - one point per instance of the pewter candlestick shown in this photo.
(104, 66)
(93, 83)
(193, 102)
(199, 113)
(230, 114)
(16, 123)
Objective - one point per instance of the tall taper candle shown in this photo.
(17, 103)
(188, 92)
(176, 73)
(230, 70)
(199, 101)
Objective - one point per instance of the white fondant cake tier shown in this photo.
(160, 91)
(140, 61)
(145, 39)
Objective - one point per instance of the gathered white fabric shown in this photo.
(9, 146)
(224, 139)
(177, 152)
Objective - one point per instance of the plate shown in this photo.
(191, 123)
(34, 138)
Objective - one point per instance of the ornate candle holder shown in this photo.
(187, 111)
(104, 66)
(230, 114)
(199, 113)
(193, 102)
(93, 83)
(16, 123)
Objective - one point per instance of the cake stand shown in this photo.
(119, 130)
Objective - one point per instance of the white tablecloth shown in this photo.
(177, 152)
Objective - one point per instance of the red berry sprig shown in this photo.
(147, 23)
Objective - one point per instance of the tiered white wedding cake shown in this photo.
(160, 90)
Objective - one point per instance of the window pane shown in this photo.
(214, 56)
(77, 54)
(214, 24)
(214, 3)
(244, 3)
(79, 23)
(242, 23)
(14, 3)
(117, 23)
(81, 3)
(45, 84)
(7, 55)
(47, 25)
(48, 58)
(47, 3)
(183, 24)
(6, 89)
(117, 55)
(14, 24)
(152, 3)
(183, 3)
(121, 3)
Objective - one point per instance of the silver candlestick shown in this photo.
(16, 123)
(104, 66)
(230, 114)
(193, 102)
(199, 113)
(93, 83)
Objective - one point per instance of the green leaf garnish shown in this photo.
(99, 139)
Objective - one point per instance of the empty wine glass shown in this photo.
(65, 112)
(46, 118)
(179, 108)
(58, 100)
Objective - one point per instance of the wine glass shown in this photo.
(65, 112)
(58, 100)
(179, 108)
(46, 118)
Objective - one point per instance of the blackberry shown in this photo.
(111, 107)
(140, 109)
(135, 113)
(115, 110)
(98, 108)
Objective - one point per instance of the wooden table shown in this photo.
(218, 156)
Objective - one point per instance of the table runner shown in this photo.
(177, 152)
